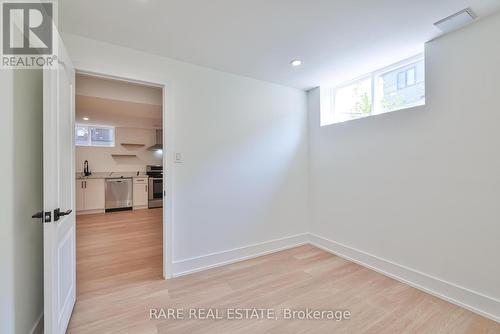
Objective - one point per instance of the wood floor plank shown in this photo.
(119, 278)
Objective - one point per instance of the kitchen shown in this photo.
(118, 191)
(119, 180)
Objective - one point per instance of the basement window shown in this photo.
(94, 135)
(399, 86)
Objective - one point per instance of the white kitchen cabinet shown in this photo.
(90, 195)
(94, 194)
(140, 193)
(80, 195)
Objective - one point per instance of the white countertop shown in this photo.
(111, 175)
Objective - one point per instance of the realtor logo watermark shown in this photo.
(28, 36)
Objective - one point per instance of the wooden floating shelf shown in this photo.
(132, 144)
(123, 155)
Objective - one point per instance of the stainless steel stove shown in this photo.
(155, 173)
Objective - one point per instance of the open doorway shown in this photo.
(119, 183)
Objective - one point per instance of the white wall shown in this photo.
(21, 250)
(420, 187)
(244, 177)
(100, 159)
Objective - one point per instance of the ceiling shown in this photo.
(100, 111)
(118, 90)
(117, 103)
(336, 39)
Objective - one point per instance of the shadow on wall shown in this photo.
(28, 198)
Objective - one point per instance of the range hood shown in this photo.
(159, 141)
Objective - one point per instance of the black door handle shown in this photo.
(47, 216)
(58, 213)
(38, 215)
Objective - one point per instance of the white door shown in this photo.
(59, 189)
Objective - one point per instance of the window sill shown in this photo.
(409, 108)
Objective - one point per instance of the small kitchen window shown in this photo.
(94, 135)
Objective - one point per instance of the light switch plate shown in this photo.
(178, 157)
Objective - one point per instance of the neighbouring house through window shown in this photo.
(94, 135)
(396, 87)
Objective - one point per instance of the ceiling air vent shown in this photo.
(456, 21)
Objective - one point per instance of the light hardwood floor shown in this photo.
(119, 261)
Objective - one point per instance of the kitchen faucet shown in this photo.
(86, 170)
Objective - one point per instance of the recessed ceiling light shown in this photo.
(85, 118)
(296, 62)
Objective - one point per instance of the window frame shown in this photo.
(379, 73)
(89, 131)
(327, 113)
(350, 83)
(414, 69)
(403, 80)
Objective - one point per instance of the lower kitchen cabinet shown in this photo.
(90, 195)
(140, 193)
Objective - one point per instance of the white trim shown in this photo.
(204, 262)
(472, 300)
(125, 78)
(38, 326)
(168, 178)
(168, 144)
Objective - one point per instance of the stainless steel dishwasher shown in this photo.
(119, 194)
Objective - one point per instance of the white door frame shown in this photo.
(167, 154)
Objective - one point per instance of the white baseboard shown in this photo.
(192, 265)
(474, 301)
(466, 298)
(38, 326)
